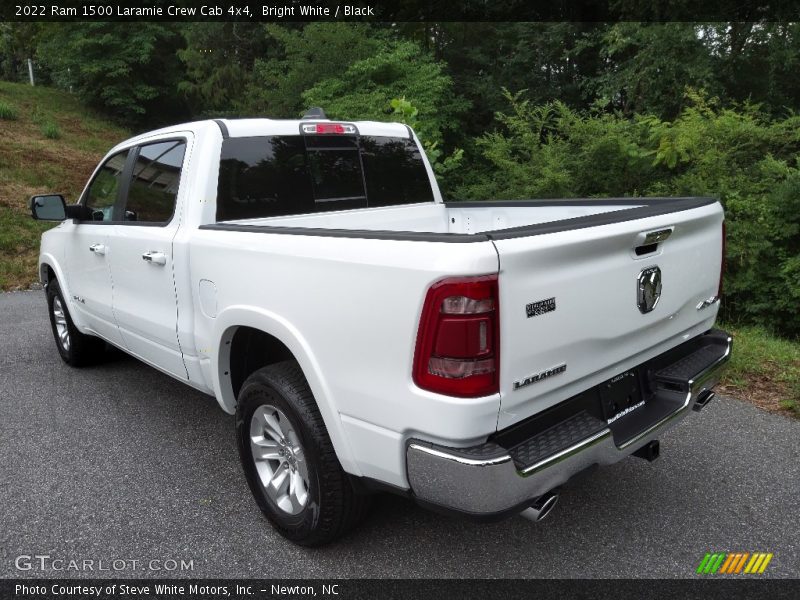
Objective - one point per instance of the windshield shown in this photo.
(268, 176)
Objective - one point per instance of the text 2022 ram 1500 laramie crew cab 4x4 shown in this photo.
(368, 335)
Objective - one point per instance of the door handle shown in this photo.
(97, 249)
(156, 258)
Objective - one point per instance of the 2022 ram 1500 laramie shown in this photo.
(369, 336)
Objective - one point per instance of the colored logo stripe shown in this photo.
(758, 563)
(740, 563)
(729, 561)
(733, 562)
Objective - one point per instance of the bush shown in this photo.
(748, 161)
(51, 130)
(8, 112)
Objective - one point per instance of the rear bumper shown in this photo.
(519, 464)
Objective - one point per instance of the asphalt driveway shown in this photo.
(119, 462)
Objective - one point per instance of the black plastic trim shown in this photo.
(638, 208)
(138, 224)
(646, 249)
(413, 236)
(551, 417)
(367, 485)
(223, 128)
(315, 112)
(76, 212)
(125, 185)
(632, 201)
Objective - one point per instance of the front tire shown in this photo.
(75, 348)
(289, 461)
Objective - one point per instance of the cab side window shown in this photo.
(102, 192)
(153, 189)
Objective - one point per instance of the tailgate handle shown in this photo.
(647, 241)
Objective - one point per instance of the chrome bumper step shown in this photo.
(518, 465)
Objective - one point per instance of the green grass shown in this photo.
(19, 247)
(50, 143)
(7, 112)
(51, 131)
(764, 369)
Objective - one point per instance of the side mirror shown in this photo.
(50, 207)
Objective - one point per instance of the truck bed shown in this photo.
(583, 256)
(468, 221)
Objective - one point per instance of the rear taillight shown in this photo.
(724, 262)
(458, 343)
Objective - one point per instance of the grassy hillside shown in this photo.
(49, 142)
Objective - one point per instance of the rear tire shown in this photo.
(289, 461)
(76, 349)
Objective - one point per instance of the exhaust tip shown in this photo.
(541, 507)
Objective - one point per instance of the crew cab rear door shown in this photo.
(144, 298)
(580, 306)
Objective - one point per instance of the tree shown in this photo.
(757, 62)
(399, 69)
(302, 57)
(218, 61)
(646, 67)
(484, 58)
(127, 72)
(17, 44)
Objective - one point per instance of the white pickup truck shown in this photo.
(369, 336)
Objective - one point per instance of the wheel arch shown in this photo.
(249, 338)
(46, 274)
(49, 270)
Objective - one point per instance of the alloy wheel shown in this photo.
(279, 458)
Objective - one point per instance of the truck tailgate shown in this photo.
(570, 312)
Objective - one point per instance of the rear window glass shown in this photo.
(284, 175)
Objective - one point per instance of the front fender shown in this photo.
(47, 259)
(225, 326)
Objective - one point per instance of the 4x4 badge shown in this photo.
(648, 289)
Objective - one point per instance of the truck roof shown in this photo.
(262, 127)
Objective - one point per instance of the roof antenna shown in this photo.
(315, 112)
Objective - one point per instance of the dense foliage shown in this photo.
(127, 71)
(750, 162)
(597, 109)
